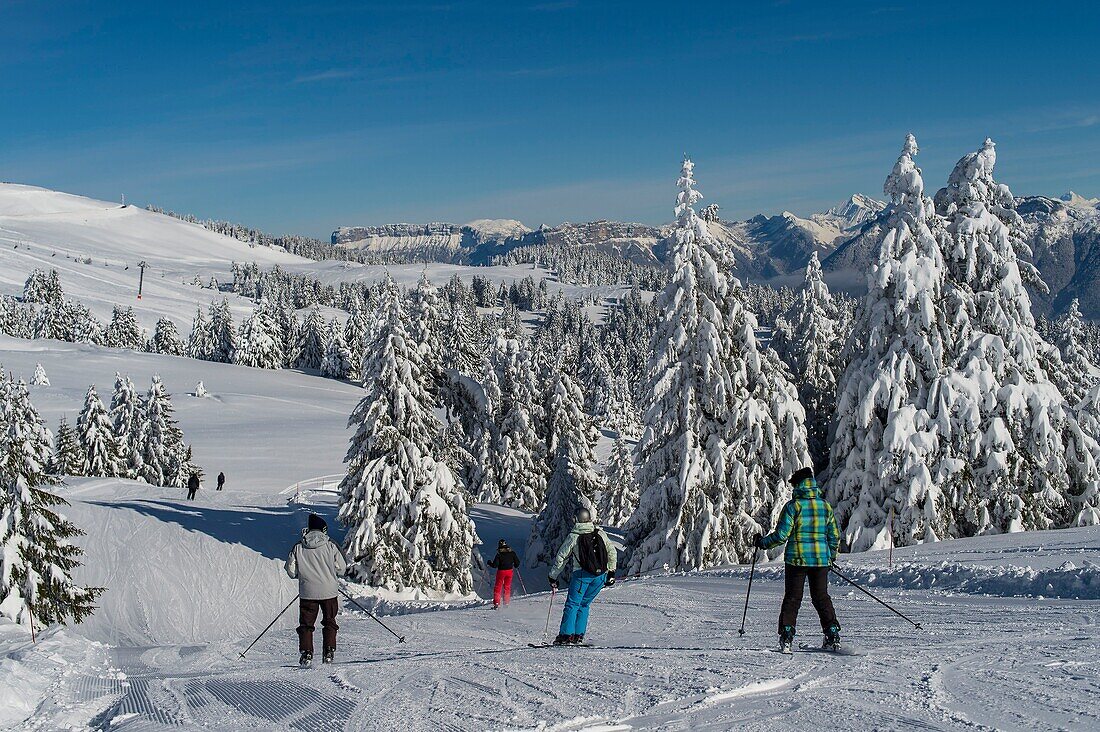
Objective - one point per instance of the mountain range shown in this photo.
(1063, 234)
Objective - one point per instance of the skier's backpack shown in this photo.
(592, 553)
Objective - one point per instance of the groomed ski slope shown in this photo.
(668, 656)
(190, 584)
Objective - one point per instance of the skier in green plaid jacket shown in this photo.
(809, 528)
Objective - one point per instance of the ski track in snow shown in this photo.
(985, 663)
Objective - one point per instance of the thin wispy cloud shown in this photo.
(553, 7)
(327, 75)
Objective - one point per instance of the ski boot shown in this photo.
(306, 659)
(832, 639)
(563, 640)
(576, 640)
(786, 640)
(327, 655)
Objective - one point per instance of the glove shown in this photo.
(610, 581)
(758, 542)
(553, 583)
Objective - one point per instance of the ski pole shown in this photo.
(553, 591)
(752, 571)
(521, 581)
(880, 602)
(400, 638)
(261, 635)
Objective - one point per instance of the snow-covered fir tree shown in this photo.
(166, 339)
(574, 483)
(310, 351)
(1027, 461)
(260, 342)
(40, 378)
(127, 418)
(99, 451)
(123, 331)
(222, 332)
(407, 520)
(1078, 373)
(358, 331)
(336, 363)
(200, 344)
(807, 340)
(723, 426)
(37, 554)
(518, 454)
(200, 390)
(67, 458)
(424, 327)
(888, 456)
(165, 457)
(620, 493)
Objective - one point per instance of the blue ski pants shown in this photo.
(583, 588)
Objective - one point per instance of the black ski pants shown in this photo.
(794, 583)
(307, 623)
(191, 493)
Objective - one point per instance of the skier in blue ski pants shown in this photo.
(583, 588)
(583, 585)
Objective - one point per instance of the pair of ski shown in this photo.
(560, 645)
(841, 651)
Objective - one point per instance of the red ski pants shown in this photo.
(502, 588)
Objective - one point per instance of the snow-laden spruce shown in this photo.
(574, 483)
(166, 339)
(37, 554)
(723, 426)
(620, 493)
(408, 525)
(99, 451)
(806, 339)
(889, 456)
(1078, 373)
(123, 331)
(947, 420)
(310, 351)
(337, 361)
(1032, 466)
(518, 454)
(67, 459)
(166, 460)
(259, 344)
(40, 378)
(127, 417)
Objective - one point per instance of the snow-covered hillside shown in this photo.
(96, 246)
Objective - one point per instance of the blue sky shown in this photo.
(303, 116)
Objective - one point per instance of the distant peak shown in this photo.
(1075, 199)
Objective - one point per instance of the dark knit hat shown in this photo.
(801, 474)
(502, 543)
(316, 523)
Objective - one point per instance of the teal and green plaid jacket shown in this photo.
(808, 526)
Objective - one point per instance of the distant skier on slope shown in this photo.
(593, 563)
(504, 563)
(192, 486)
(316, 563)
(221, 481)
(808, 526)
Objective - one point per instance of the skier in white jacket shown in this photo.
(316, 563)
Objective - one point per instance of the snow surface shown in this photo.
(1009, 639)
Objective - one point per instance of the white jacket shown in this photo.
(316, 563)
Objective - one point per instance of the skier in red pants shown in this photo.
(505, 563)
